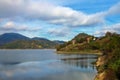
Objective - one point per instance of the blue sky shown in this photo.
(59, 19)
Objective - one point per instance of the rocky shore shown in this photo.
(104, 71)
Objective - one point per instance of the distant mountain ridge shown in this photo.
(10, 37)
(59, 42)
(15, 40)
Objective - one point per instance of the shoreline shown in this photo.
(27, 49)
(79, 52)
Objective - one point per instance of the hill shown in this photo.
(10, 37)
(59, 42)
(18, 41)
(84, 43)
(45, 43)
(108, 64)
(80, 43)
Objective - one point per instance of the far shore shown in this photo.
(79, 52)
(29, 49)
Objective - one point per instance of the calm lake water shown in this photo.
(45, 65)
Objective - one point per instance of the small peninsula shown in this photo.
(82, 43)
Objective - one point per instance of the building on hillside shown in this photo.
(73, 42)
(89, 39)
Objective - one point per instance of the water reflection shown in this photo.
(45, 65)
(83, 62)
(45, 70)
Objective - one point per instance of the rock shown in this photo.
(108, 74)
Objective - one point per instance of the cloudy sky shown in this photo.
(59, 19)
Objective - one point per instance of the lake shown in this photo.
(45, 64)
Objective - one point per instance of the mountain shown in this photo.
(45, 42)
(59, 42)
(18, 41)
(44, 39)
(22, 44)
(10, 37)
(40, 39)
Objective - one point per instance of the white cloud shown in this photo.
(111, 28)
(12, 27)
(48, 12)
(54, 14)
(9, 25)
(62, 32)
(114, 9)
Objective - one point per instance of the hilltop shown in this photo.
(10, 37)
